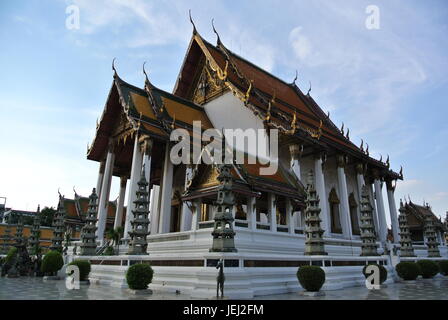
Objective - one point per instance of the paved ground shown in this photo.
(37, 289)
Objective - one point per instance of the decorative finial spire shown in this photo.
(309, 90)
(362, 145)
(191, 20)
(295, 78)
(342, 128)
(218, 40)
(348, 134)
(144, 72)
(381, 158)
(401, 171)
(388, 161)
(328, 114)
(367, 149)
(113, 67)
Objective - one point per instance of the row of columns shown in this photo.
(141, 156)
(375, 196)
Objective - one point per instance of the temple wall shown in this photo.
(228, 112)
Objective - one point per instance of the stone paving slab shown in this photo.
(24, 288)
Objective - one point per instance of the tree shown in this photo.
(115, 235)
(47, 215)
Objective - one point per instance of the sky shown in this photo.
(388, 85)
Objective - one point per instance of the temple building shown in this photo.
(416, 215)
(77, 207)
(200, 213)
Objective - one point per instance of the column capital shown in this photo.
(296, 151)
(361, 168)
(146, 143)
(111, 145)
(341, 160)
(390, 184)
(376, 174)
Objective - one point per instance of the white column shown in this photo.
(359, 179)
(381, 213)
(295, 151)
(120, 204)
(251, 213)
(136, 168)
(105, 190)
(166, 194)
(375, 211)
(186, 211)
(99, 181)
(272, 212)
(154, 213)
(195, 217)
(289, 217)
(345, 208)
(320, 188)
(392, 211)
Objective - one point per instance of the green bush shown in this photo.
(443, 267)
(139, 276)
(109, 251)
(428, 268)
(84, 268)
(408, 270)
(11, 254)
(52, 262)
(383, 272)
(312, 278)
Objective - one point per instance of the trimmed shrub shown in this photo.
(383, 272)
(443, 267)
(84, 268)
(139, 276)
(428, 268)
(408, 270)
(312, 278)
(52, 262)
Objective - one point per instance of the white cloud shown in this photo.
(300, 43)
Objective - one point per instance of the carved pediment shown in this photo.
(208, 86)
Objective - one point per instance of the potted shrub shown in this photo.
(84, 269)
(311, 278)
(428, 268)
(383, 272)
(138, 277)
(408, 270)
(51, 264)
(443, 267)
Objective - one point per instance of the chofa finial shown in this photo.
(218, 40)
(295, 78)
(144, 72)
(113, 66)
(191, 20)
(309, 90)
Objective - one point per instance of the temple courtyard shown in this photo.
(37, 289)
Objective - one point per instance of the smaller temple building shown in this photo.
(416, 215)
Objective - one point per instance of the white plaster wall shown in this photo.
(229, 112)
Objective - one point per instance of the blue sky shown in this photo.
(389, 86)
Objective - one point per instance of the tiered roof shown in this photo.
(280, 104)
